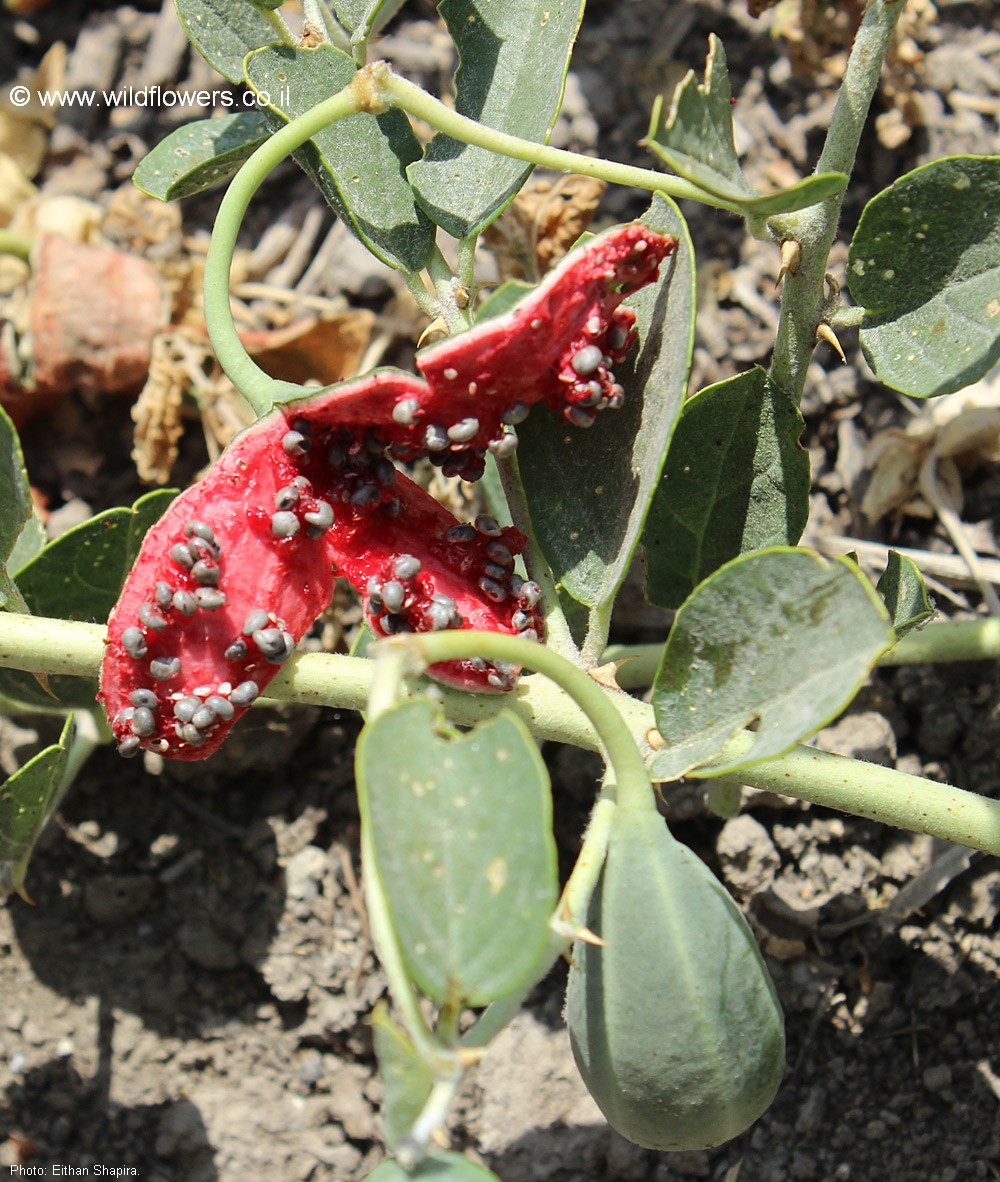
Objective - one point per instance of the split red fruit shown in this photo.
(240, 566)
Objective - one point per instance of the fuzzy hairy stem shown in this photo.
(816, 227)
(41, 645)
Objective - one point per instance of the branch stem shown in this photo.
(815, 228)
(41, 645)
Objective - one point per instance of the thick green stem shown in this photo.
(879, 793)
(815, 228)
(254, 384)
(41, 645)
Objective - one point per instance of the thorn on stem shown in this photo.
(825, 333)
(791, 257)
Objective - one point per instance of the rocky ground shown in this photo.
(188, 994)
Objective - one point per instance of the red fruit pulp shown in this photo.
(237, 570)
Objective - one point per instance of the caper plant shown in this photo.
(493, 634)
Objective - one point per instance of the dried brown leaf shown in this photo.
(542, 223)
(157, 412)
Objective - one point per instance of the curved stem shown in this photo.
(397, 92)
(254, 384)
(620, 748)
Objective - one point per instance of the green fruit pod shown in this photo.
(674, 1021)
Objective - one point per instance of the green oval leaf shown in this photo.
(694, 138)
(358, 162)
(462, 838)
(588, 491)
(780, 639)
(447, 1167)
(224, 32)
(925, 266)
(199, 155)
(17, 515)
(513, 63)
(28, 799)
(905, 593)
(736, 480)
(406, 1078)
(78, 576)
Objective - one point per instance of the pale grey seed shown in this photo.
(515, 413)
(617, 337)
(269, 640)
(529, 594)
(245, 693)
(134, 643)
(286, 650)
(198, 529)
(302, 425)
(149, 616)
(504, 447)
(294, 443)
(436, 438)
(493, 570)
(505, 667)
(578, 416)
(256, 619)
(185, 603)
(528, 634)
(182, 555)
(287, 497)
(144, 697)
(587, 360)
(163, 595)
(284, 525)
(516, 583)
(143, 722)
(210, 599)
(374, 590)
(492, 590)
(125, 715)
(129, 746)
(366, 496)
(203, 717)
(496, 680)
(444, 600)
(385, 471)
(488, 525)
(321, 517)
(520, 620)
(185, 708)
(222, 706)
(498, 552)
(478, 664)
(205, 572)
(406, 566)
(302, 483)
(617, 399)
(438, 616)
(461, 533)
(163, 668)
(463, 430)
(393, 595)
(203, 548)
(191, 735)
(405, 412)
(237, 651)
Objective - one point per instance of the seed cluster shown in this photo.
(161, 716)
